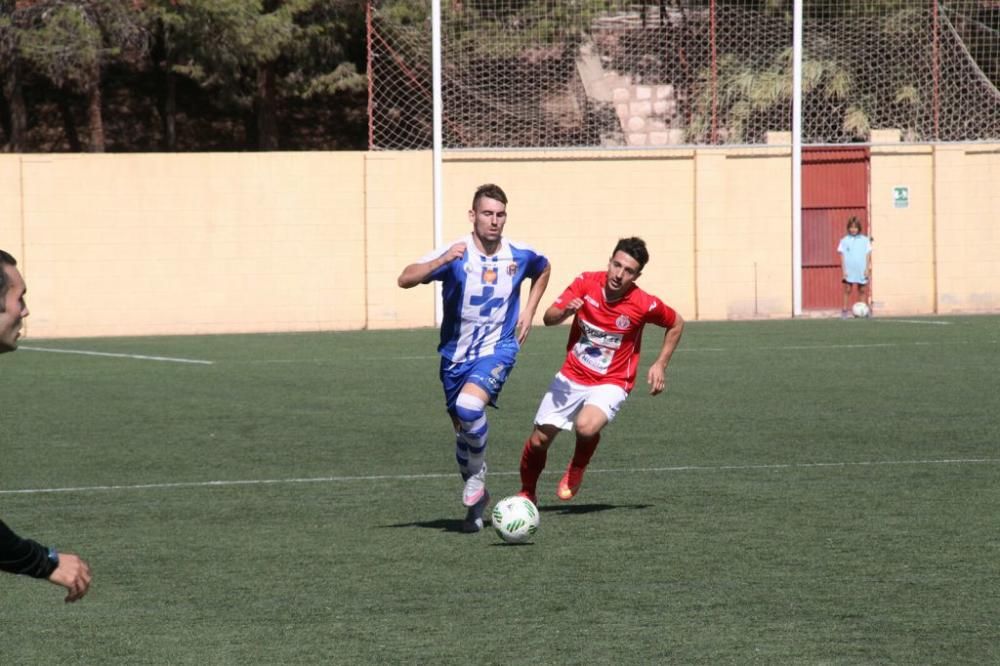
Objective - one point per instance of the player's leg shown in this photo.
(863, 297)
(470, 410)
(533, 458)
(484, 381)
(466, 398)
(473, 431)
(453, 378)
(589, 423)
(557, 410)
(846, 309)
(602, 404)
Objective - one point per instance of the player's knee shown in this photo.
(470, 410)
(587, 427)
(538, 442)
(541, 437)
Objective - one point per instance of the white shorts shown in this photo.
(564, 400)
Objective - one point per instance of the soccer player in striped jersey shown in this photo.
(482, 330)
(609, 314)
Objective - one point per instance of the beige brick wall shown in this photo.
(967, 228)
(150, 244)
(743, 234)
(903, 238)
(212, 243)
(400, 223)
(10, 206)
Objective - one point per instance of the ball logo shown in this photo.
(489, 275)
(622, 322)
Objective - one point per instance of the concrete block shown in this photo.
(665, 91)
(640, 108)
(659, 138)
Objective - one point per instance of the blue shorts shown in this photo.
(488, 373)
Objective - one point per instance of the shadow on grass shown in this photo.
(442, 524)
(575, 509)
(455, 524)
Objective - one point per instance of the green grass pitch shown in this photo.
(805, 492)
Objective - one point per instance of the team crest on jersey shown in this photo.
(512, 268)
(622, 322)
(489, 275)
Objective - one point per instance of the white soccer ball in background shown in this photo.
(860, 309)
(515, 519)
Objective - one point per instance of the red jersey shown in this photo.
(604, 342)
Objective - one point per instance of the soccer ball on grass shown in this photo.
(860, 309)
(515, 519)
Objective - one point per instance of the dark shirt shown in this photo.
(23, 556)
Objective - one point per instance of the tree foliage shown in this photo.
(251, 68)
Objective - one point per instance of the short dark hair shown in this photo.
(853, 221)
(491, 191)
(6, 259)
(634, 247)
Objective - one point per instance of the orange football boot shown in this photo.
(569, 484)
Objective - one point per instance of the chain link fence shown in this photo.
(605, 73)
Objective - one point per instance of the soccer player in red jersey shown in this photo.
(609, 313)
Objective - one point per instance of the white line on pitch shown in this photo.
(914, 321)
(863, 463)
(429, 357)
(405, 477)
(138, 357)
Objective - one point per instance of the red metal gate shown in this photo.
(834, 187)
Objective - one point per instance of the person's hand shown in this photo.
(523, 327)
(72, 573)
(656, 378)
(573, 306)
(454, 252)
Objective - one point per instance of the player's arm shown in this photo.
(557, 315)
(568, 303)
(416, 273)
(30, 558)
(23, 556)
(527, 315)
(657, 375)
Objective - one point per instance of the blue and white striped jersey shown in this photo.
(482, 297)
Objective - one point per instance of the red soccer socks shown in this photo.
(532, 463)
(570, 482)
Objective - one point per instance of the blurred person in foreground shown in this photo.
(19, 555)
